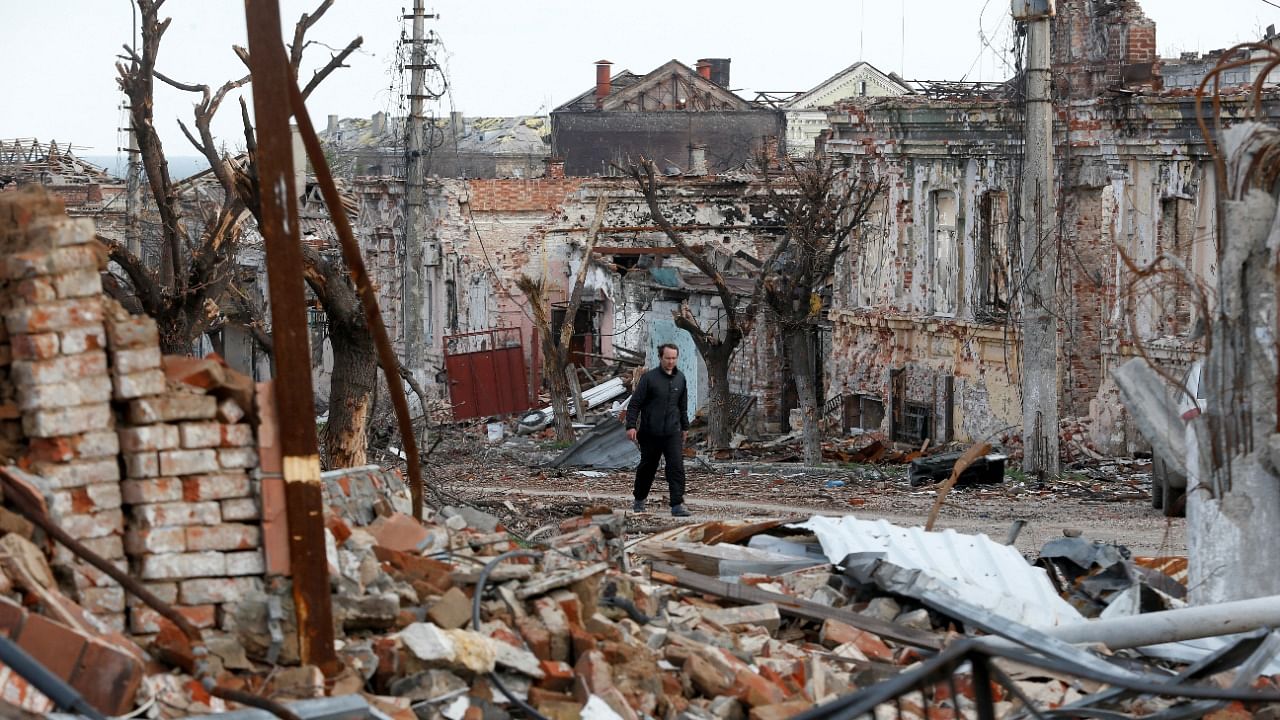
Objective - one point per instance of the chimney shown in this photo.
(555, 168)
(604, 82)
(697, 159)
(379, 123)
(719, 70)
(332, 129)
(704, 69)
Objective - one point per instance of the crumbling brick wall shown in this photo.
(139, 456)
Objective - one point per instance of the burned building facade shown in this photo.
(684, 120)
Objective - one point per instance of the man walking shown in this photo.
(658, 420)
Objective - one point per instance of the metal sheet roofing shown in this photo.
(971, 567)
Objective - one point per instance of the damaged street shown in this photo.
(673, 398)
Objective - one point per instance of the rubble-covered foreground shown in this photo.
(458, 618)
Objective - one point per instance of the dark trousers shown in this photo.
(652, 448)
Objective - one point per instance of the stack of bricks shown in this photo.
(53, 312)
(193, 527)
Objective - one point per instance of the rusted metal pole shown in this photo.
(364, 289)
(272, 80)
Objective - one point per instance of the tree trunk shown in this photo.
(351, 390)
(558, 386)
(718, 420)
(799, 347)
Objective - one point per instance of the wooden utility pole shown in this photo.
(272, 80)
(1039, 250)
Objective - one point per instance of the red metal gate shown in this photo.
(486, 373)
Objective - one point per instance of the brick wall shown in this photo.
(505, 195)
(145, 459)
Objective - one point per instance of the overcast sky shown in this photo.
(512, 58)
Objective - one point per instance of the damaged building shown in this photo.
(682, 119)
(922, 331)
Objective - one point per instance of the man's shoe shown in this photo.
(637, 506)
(680, 511)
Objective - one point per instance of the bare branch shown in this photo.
(300, 32)
(334, 63)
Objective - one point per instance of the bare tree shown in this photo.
(716, 349)
(822, 208)
(555, 345)
(195, 285)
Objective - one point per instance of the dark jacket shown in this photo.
(659, 405)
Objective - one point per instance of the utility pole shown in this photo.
(1037, 208)
(416, 285)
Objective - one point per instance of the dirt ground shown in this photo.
(1108, 502)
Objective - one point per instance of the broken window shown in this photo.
(451, 305)
(916, 425)
(1174, 293)
(993, 256)
(863, 411)
(942, 255)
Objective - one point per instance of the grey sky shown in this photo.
(509, 58)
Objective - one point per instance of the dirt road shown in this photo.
(1108, 504)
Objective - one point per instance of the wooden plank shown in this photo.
(559, 580)
(748, 595)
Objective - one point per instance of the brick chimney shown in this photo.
(698, 160)
(704, 69)
(604, 81)
(555, 168)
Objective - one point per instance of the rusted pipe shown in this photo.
(272, 81)
(18, 494)
(364, 288)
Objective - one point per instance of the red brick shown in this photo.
(176, 566)
(148, 437)
(82, 339)
(145, 621)
(215, 487)
(85, 499)
(96, 525)
(217, 590)
(108, 677)
(227, 536)
(67, 420)
(139, 384)
(142, 464)
(35, 347)
(240, 509)
(55, 395)
(238, 435)
(238, 458)
(131, 360)
(176, 513)
(248, 562)
(175, 406)
(52, 644)
(137, 331)
(188, 462)
(140, 541)
(78, 473)
(151, 490)
(57, 315)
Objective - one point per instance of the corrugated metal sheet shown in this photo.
(973, 568)
(604, 446)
